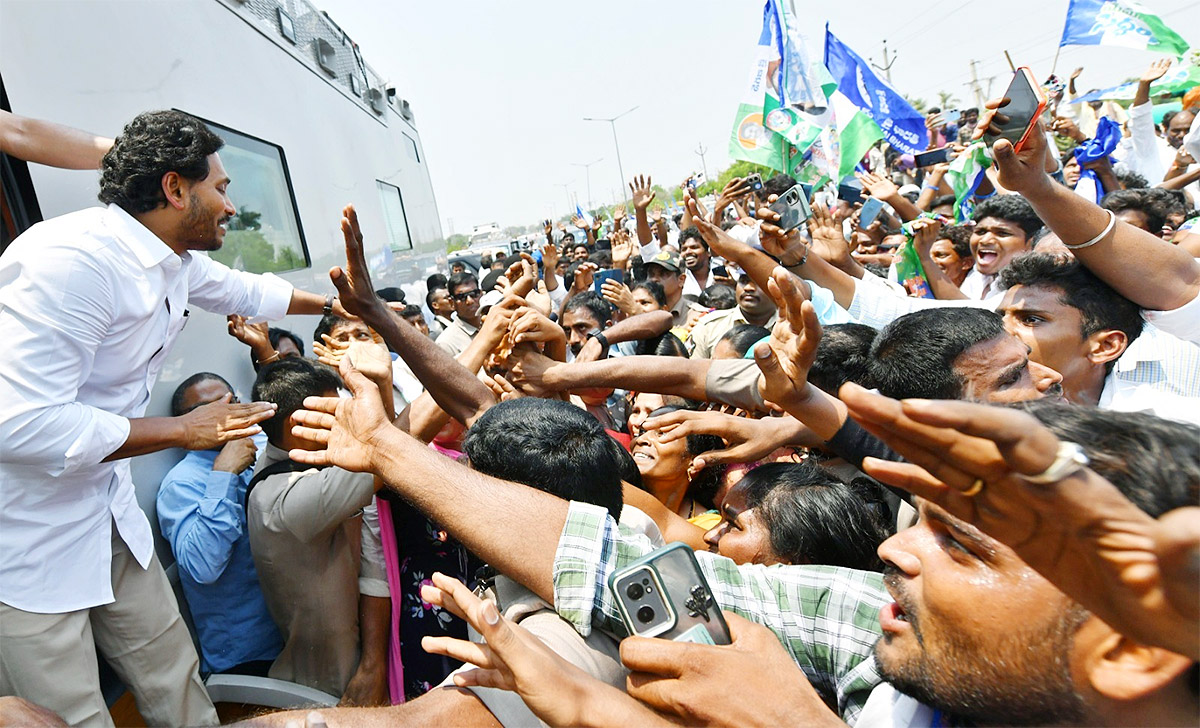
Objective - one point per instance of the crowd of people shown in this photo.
(975, 506)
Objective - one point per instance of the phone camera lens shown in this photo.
(635, 592)
(645, 615)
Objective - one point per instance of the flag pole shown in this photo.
(1055, 64)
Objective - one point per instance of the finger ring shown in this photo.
(975, 488)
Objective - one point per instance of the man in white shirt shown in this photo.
(697, 261)
(1003, 227)
(90, 305)
(1077, 325)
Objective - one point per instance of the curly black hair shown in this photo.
(154, 143)
(1012, 208)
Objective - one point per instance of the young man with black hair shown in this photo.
(310, 541)
(465, 294)
(753, 307)
(202, 514)
(584, 316)
(1138, 207)
(1078, 325)
(91, 304)
(696, 259)
(1003, 227)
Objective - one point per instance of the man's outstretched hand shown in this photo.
(1135, 573)
(788, 355)
(355, 293)
(350, 430)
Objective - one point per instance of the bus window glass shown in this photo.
(265, 235)
(394, 217)
(411, 148)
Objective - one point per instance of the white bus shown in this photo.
(308, 127)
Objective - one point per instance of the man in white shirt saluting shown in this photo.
(90, 304)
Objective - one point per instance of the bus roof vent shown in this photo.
(406, 110)
(326, 56)
(375, 99)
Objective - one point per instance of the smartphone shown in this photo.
(850, 194)
(1025, 104)
(870, 210)
(793, 208)
(807, 190)
(932, 157)
(691, 183)
(720, 271)
(755, 181)
(664, 594)
(606, 275)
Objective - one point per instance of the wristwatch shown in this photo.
(328, 305)
(599, 336)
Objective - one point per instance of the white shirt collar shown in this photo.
(147, 247)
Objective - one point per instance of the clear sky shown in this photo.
(500, 89)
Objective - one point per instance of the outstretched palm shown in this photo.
(350, 429)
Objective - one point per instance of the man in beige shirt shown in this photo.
(465, 293)
(306, 535)
(753, 307)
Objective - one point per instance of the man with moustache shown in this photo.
(90, 305)
(754, 307)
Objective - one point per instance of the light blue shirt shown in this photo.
(202, 515)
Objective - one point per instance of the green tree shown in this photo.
(457, 242)
(245, 220)
(918, 104)
(946, 100)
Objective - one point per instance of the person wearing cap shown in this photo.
(666, 269)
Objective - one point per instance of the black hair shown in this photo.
(600, 309)
(1129, 179)
(844, 355)
(550, 445)
(942, 200)
(1100, 307)
(1012, 208)
(667, 344)
(461, 279)
(437, 280)
(960, 237)
(1153, 462)
(275, 335)
(286, 383)
(934, 110)
(812, 517)
(485, 261)
(914, 355)
(602, 259)
(185, 385)
(654, 288)
(1136, 199)
(744, 336)
(153, 144)
(777, 185)
(433, 292)
(410, 311)
(326, 325)
(1166, 119)
(490, 279)
(391, 294)
(691, 233)
(719, 296)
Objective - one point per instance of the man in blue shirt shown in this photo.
(202, 514)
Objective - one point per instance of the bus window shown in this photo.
(411, 148)
(394, 217)
(265, 235)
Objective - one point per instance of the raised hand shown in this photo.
(1023, 171)
(746, 439)
(643, 194)
(786, 245)
(521, 275)
(1075, 73)
(353, 282)
(350, 429)
(1065, 127)
(622, 249)
(788, 355)
(878, 186)
(219, 422)
(1156, 70)
(585, 276)
(549, 259)
(579, 222)
(618, 214)
(532, 327)
(548, 229)
(1081, 533)
(656, 215)
(619, 295)
(925, 234)
(255, 336)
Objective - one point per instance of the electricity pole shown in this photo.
(613, 122)
(887, 65)
(587, 171)
(701, 150)
(567, 192)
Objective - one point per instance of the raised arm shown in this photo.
(55, 145)
(1126, 257)
(660, 374)
(643, 195)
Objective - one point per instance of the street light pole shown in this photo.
(613, 122)
(701, 151)
(567, 192)
(587, 171)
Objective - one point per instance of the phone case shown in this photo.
(690, 612)
(1031, 82)
(793, 208)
